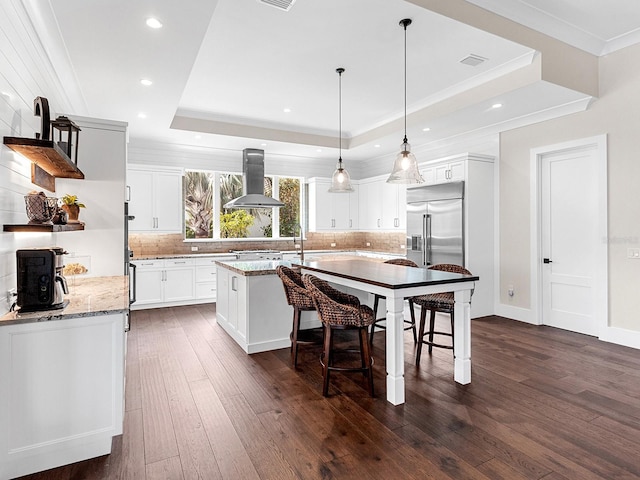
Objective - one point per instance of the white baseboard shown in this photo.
(515, 313)
(621, 336)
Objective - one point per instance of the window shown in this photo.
(198, 204)
(206, 193)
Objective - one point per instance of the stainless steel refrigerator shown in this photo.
(435, 224)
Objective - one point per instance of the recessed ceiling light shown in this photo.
(198, 137)
(142, 115)
(376, 146)
(146, 82)
(263, 144)
(154, 23)
(426, 129)
(287, 110)
(496, 105)
(319, 150)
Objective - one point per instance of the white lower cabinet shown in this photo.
(253, 310)
(176, 281)
(164, 282)
(61, 391)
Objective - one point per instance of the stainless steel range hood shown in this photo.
(253, 183)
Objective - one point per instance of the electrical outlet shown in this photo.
(402, 247)
(10, 294)
(633, 253)
(368, 244)
(510, 291)
(194, 249)
(333, 244)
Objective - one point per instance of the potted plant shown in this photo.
(72, 206)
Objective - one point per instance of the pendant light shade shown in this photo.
(340, 181)
(405, 167)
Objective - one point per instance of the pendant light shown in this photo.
(340, 182)
(405, 167)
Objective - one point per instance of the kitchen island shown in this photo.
(251, 305)
(62, 378)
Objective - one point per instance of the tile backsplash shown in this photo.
(173, 244)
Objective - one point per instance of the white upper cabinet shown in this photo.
(155, 200)
(444, 171)
(382, 205)
(331, 211)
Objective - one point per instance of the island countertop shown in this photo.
(251, 268)
(88, 296)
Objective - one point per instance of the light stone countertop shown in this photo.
(88, 297)
(359, 253)
(250, 268)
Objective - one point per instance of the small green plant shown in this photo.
(72, 200)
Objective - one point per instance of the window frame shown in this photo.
(275, 218)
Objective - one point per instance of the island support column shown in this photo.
(395, 348)
(462, 337)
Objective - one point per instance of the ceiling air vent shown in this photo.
(473, 60)
(280, 4)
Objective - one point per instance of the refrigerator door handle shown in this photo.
(427, 239)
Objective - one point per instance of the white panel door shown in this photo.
(569, 239)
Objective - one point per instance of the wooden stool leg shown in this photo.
(423, 317)
(328, 343)
(365, 355)
(413, 321)
(375, 317)
(432, 326)
(294, 336)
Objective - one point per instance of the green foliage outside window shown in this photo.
(235, 224)
(289, 193)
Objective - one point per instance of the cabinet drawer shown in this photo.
(206, 290)
(205, 274)
(178, 262)
(148, 264)
(205, 261)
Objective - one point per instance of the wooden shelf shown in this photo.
(69, 227)
(45, 154)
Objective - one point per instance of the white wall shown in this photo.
(26, 72)
(617, 114)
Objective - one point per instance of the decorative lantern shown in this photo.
(66, 130)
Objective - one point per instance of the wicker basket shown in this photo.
(40, 209)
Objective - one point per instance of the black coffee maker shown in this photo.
(41, 284)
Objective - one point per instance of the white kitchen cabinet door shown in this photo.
(390, 220)
(370, 207)
(149, 286)
(140, 186)
(179, 284)
(155, 200)
(222, 292)
(168, 202)
(331, 211)
(62, 391)
(354, 206)
(449, 172)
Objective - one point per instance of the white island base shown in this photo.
(251, 306)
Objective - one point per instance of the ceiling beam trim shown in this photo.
(562, 64)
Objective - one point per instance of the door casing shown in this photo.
(599, 143)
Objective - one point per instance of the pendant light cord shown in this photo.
(340, 70)
(405, 82)
(405, 23)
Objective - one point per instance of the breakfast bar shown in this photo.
(396, 283)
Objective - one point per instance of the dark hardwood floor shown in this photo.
(543, 404)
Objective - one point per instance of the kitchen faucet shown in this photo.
(299, 228)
